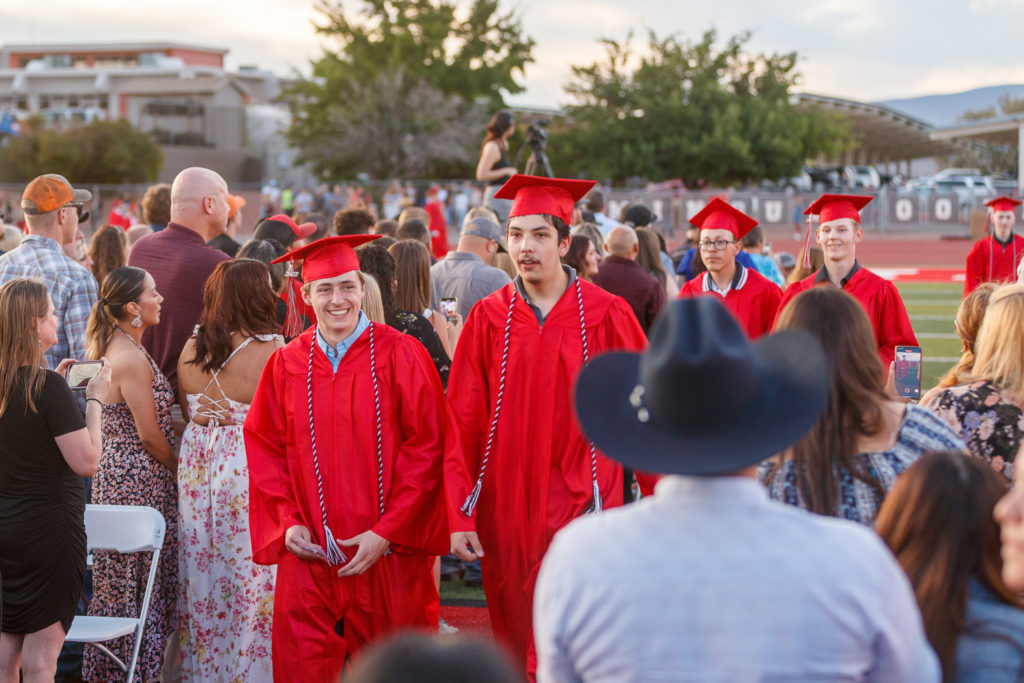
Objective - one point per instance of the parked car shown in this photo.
(862, 177)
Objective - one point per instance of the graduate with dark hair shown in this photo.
(752, 298)
(996, 257)
(517, 468)
(344, 442)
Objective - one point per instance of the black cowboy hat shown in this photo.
(702, 399)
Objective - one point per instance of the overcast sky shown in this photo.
(859, 49)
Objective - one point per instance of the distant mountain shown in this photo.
(943, 110)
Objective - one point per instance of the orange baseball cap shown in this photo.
(50, 192)
(234, 203)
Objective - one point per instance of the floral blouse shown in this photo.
(418, 327)
(990, 422)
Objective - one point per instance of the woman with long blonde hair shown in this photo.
(987, 409)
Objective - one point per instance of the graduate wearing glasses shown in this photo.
(752, 298)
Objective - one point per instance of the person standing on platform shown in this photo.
(517, 468)
(838, 234)
(344, 440)
(996, 257)
(751, 297)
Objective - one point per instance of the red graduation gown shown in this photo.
(398, 591)
(881, 301)
(990, 261)
(753, 299)
(538, 477)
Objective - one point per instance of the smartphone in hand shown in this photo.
(908, 371)
(450, 308)
(80, 372)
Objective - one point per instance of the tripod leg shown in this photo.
(531, 164)
(547, 164)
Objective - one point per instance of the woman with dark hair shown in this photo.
(412, 293)
(218, 371)
(376, 261)
(938, 522)
(650, 260)
(137, 468)
(45, 448)
(108, 250)
(582, 257)
(266, 251)
(845, 465)
(451, 659)
(494, 166)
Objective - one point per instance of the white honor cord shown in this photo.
(470, 504)
(335, 555)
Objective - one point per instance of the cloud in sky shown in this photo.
(867, 49)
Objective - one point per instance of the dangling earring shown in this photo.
(137, 320)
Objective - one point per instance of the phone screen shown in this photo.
(79, 374)
(450, 308)
(908, 371)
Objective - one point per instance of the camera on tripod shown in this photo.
(537, 134)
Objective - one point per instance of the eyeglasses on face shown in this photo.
(717, 245)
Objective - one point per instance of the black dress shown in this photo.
(42, 511)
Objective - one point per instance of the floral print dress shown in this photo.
(226, 600)
(128, 475)
(990, 422)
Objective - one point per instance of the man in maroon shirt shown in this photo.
(180, 261)
(620, 274)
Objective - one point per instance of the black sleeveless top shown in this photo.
(502, 162)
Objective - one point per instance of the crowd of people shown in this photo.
(322, 418)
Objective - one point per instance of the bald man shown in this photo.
(621, 274)
(180, 261)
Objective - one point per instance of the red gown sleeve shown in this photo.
(893, 324)
(787, 296)
(976, 270)
(771, 304)
(272, 506)
(414, 510)
(468, 411)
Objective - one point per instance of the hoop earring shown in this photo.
(137, 320)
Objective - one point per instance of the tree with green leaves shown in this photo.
(406, 83)
(101, 152)
(690, 110)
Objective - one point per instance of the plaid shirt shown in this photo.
(72, 288)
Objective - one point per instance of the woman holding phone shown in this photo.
(850, 459)
(137, 468)
(46, 446)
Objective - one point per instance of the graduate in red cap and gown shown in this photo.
(752, 298)
(996, 257)
(517, 467)
(345, 443)
(838, 234)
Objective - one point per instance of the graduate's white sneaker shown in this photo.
(444, 628)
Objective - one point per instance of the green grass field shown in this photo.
(932, 308)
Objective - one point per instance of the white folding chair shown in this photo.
(124, 529)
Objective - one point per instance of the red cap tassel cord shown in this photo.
(293, 326)
(807, 245)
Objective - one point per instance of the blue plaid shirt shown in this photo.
(72, 288)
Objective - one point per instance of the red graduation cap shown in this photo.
(831, 207)
(532, 195)
(721, 215)
(328, 257)
(1003, 203)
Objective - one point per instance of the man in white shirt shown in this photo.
(723, 584)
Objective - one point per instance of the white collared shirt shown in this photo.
(710, 580)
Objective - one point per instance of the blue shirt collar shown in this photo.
(335, 354)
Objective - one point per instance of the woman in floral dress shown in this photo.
(137, 468)
(986, 410)
(226, 600)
